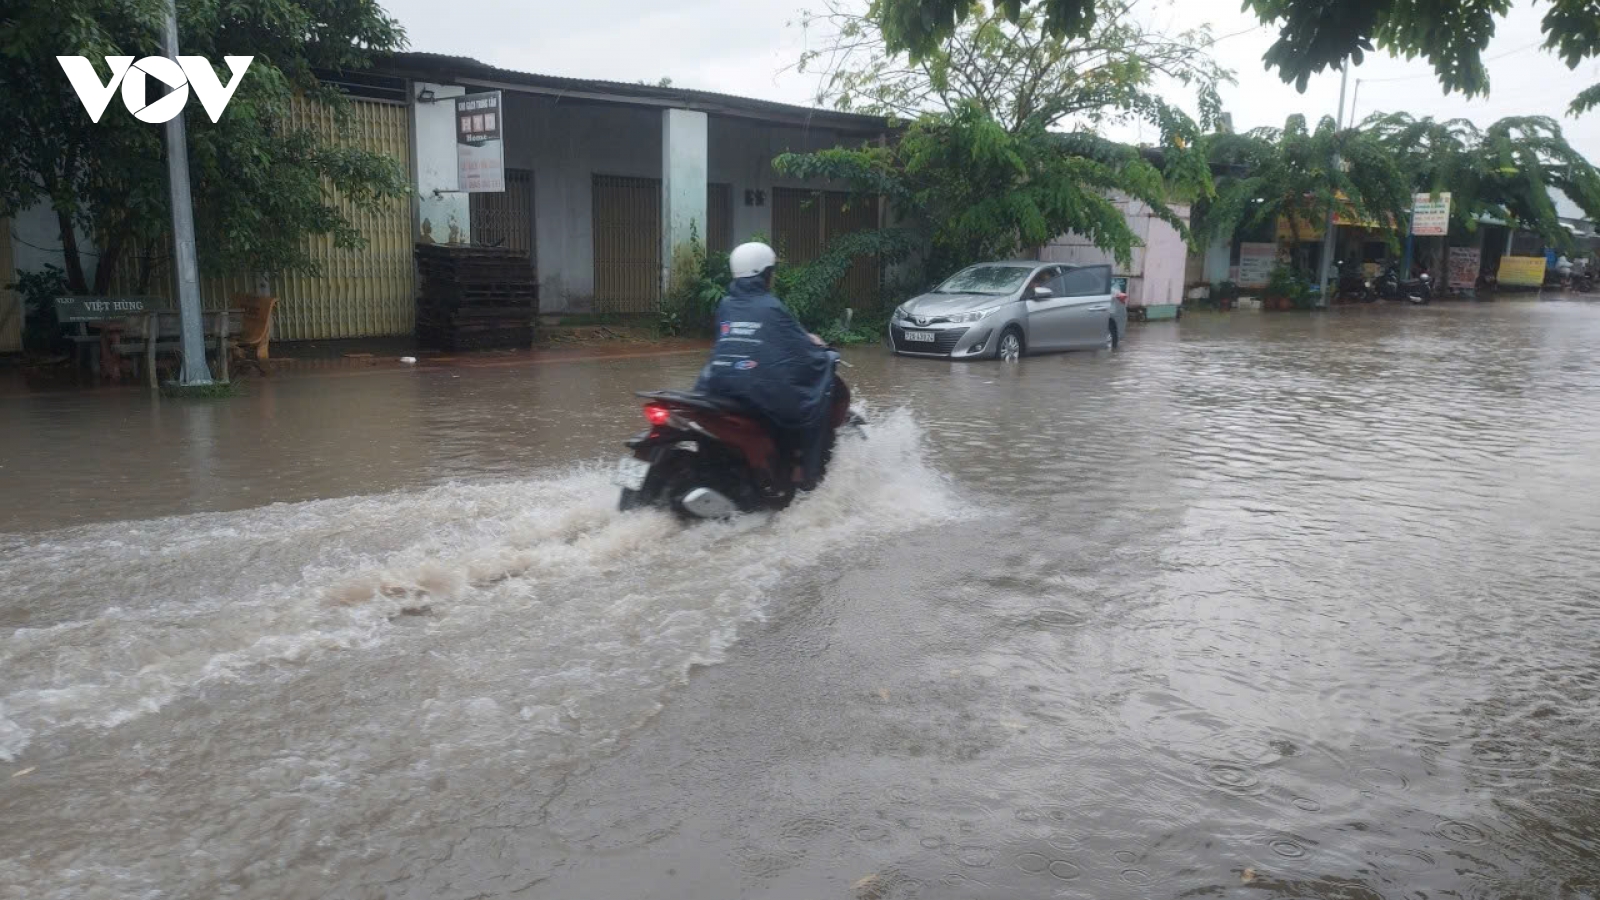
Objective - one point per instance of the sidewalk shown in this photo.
(372, 355)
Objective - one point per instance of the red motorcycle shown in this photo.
(707, 457)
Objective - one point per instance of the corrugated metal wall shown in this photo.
(719, 217)
(627, 244)
(364, 292)
(804, 222)
(10, 303)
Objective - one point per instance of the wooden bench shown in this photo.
(135, 327)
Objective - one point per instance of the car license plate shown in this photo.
(630, 473)
(926, 337)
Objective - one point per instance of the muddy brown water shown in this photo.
(1258, 606)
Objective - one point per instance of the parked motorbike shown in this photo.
(1583, 283)
(1353, 284)
(1392, 287)
(707, 457)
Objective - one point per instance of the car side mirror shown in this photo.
(1041, 292)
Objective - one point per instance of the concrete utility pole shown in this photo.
(194, 371)
(1328, 239)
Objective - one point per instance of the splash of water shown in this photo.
(538, 583)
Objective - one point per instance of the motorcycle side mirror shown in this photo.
(1426, 277)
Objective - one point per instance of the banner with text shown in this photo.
(1522, 271)
(1464, 262)
(480, 148)
(1256, 262)
(1430, 215)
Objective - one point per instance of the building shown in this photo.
(601, 181)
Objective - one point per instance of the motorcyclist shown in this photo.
(764, 359)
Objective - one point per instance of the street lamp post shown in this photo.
(1328, 237)
(194, 345)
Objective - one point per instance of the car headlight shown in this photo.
(900, 312)
(972, 316)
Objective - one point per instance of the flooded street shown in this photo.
(1257, 606)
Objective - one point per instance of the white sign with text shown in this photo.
(1430, 215)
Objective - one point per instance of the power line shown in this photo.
(1435, 74)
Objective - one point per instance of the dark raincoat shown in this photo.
(764, 359)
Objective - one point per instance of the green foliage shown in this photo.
(1505, 171)
(700, 280)
(1313, 35)
(811, 290)
(1289, 173)
(1291, 283)
(1014, 69)
(971, 189)
(261, 183)
(38, 292)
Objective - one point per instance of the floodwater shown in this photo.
(1257, 606)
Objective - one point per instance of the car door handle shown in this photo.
(1099, 308)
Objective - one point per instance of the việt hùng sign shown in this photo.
(99, 309)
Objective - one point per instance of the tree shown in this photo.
(1287, 174)
(972, 189)
(1015, 70)
(1506, 171)
(1314, 35)
(261, 183)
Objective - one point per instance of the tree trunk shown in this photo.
(69, 252)
(107, 267)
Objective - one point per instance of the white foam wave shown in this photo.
(541, 584)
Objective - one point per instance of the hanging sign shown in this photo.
(480, 148)
(1430, 217)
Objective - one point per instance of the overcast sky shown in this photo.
(743, 46)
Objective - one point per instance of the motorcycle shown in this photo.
(1391, 287)
(707, 457)
(1353, 284)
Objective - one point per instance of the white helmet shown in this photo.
(751, 259)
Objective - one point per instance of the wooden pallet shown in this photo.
(475, 298)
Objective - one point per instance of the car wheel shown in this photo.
(1112, 338)
(1011, 347)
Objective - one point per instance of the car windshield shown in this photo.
(984, 280)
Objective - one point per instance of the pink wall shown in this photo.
(1155, 275)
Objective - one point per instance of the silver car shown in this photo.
(1004, 310)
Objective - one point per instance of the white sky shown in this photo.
(742, 46)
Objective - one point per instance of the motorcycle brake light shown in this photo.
(658, 415)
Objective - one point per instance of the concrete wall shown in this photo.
(567, 143)
(683, 186)
(741, 154)
(1155, 273)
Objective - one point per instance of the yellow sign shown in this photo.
(1526, 271)
(1344, 217)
